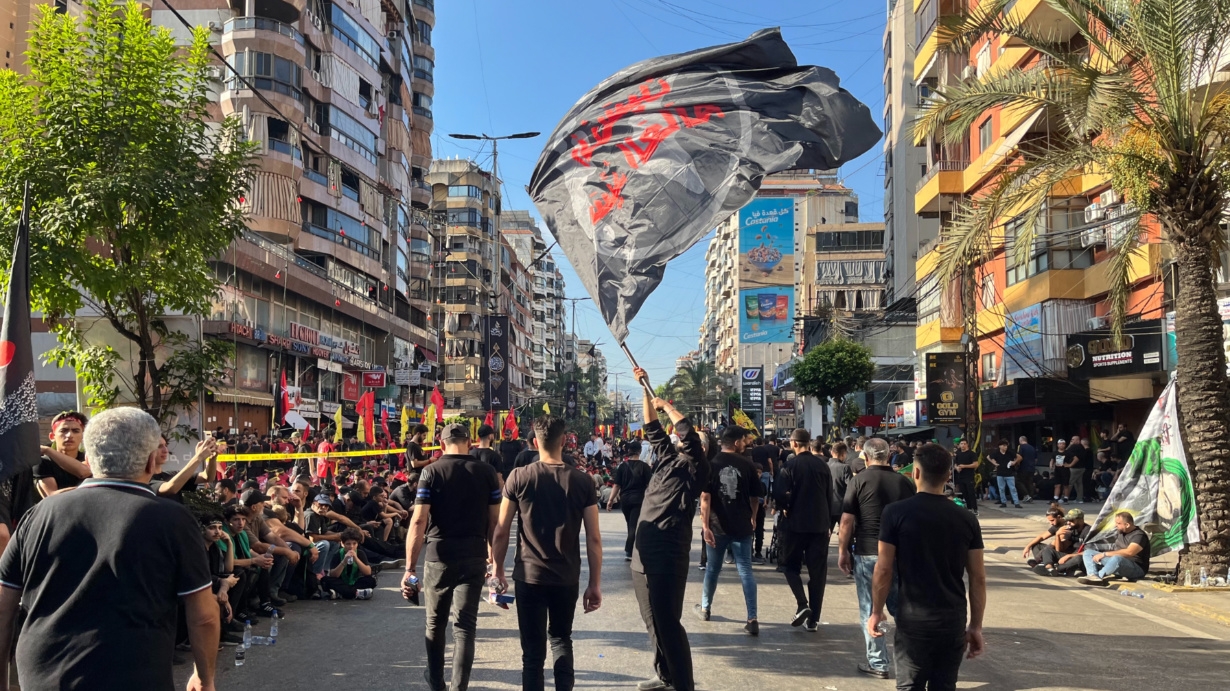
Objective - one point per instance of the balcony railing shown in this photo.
(262, 24)
(420, 110)
(429, 4)
(941, 167)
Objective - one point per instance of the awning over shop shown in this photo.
(248, 397)
(869, 421)
(428, 353)
(907, 431)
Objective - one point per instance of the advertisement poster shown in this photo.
(946, 388)
(751, 394)
(766, 271)
(373, 380)
(1023, 352)
(350, 386)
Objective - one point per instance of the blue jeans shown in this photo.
(1112, 566)
(877, 648)
(1011, 484)
(327, 550)
(742, 549)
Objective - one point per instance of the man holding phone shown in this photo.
(553, 499)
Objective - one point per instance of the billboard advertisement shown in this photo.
(766, 271)
(1023, 352)
(946, 395)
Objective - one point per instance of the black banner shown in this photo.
(19, 444)
(1096, 354)
(495, 363)
(655, 156)
(946, 394)
(751, 394)
(570, 401)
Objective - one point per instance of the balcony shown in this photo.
(261, 24)
(942, 178)
(1040, 18)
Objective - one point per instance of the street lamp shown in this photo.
(495, 147)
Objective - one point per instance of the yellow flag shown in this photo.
(429, 419)
(337, 425)
(546, 408)
(474, 428)
(405, 423)
(741, 419)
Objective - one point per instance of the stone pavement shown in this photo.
(1042, 634)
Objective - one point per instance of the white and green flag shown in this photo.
(1155, 485)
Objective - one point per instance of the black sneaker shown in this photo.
(1032, 563)
(877, 673)
(758, 560)
(282, 594)
(277, 602)
(654, 684)
(1001, 504)
(811, 627)
(231, 639)
(701, 612)
(1017, 506)
(752, 627)
(801, 616)
(267, 609)
(700, 567)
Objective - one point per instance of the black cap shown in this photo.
(455, 431)
(252, 497)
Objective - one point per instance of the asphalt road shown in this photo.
(1042, 635)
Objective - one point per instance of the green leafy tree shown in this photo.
(695, 389)
(850, 413)
(833, 370)
(554, 391)
(1134, 93)
(134, 188)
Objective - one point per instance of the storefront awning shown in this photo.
(248, 397)
(869, 421)
(428, 353)
(907, 431)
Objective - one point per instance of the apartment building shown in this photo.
(521, 232)
(1039, 316)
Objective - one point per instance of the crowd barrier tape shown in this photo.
(250, 457)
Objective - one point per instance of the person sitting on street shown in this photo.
(1129, 559)
(1066, 558)
(221, 569)
(247, 565)
(351, 578)
(1033, 551)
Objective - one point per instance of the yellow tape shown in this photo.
(250, 457)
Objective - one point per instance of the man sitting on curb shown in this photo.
(1129, 559)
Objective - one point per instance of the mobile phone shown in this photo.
(209, 435)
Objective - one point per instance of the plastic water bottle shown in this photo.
(1187, 578)
(239, 656)
(273, 629)
(247, 634)
(1132, 593)
(1204, 577)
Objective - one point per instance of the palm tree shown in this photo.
(1132, 93)
(695, 387)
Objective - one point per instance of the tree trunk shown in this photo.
(1204, 408)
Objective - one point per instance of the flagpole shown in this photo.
(643, 381)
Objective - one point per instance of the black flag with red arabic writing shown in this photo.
(657, 155)
(19, 445)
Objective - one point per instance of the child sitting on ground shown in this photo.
(352, 578)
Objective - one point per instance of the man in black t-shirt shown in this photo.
(858, 542)
(804, 491)
(416, 457)
(552, 500)
(486, 454)
(728, 509)
(930, 544)
(631, 480)
(1123, 443)
(965, 465)
(455, 511)
(1062, 474)
(1080, 460)
(1005, 463)
(529, 455)
(101, 595)
(510, 449)
(1129, 559)
(63, 465)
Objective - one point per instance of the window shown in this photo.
(279, 138)
(1053, 248)
(989, 294)
(350, 183)
(984, 135)
(989, 371)
(464, 217)
(422, 104)
(850, 241)
(365, 95)
(422, 31)
(984, 59)
(267, 72)
(352, 133)
(924, 22)
(888, 120)
(354, 37)
(420, 250)
(423, 68)
(465, 191)
(338, 227)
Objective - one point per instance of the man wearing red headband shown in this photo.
(63, 464)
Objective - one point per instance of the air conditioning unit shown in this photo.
(315, 126)
(1094, 212)
(316, 75)
(215, 73)
(1108, 197)
(1095, 323)
(969, 72)
(1093, 236)
(394, 34)
(215, 26)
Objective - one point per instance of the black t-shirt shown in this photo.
(804, 489)
(527, 457)
(733, 483)
(551, 499)
(489, 456)
(1003, 459)
(509, 451)
(49, 469)
(371, 511)
(933, 537)
(869, 493)
(162, 478)
(1123, 449)
(965, 458)
(459, 490)
(404, 496)
(1080, 456)
(841, 476)
(217, 564)
(320, 525)
(633, 477)
(1135, 536)
(762, 455)
(414, 452)
(664, 533)
(102, 594)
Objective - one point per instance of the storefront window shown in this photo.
(253, 368)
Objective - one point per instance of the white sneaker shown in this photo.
(364, 594)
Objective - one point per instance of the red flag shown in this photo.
(369, 421)
(285, 400)
(490, 419)
(510, 425)
(438, 401)
(384, 423)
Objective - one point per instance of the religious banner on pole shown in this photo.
(1155, 485)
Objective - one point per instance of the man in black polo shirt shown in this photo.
(485, 453)
(63, 464)
(552, 500)
(631, 480)
(932, 543)
(804, 491)
(101, 595)
(874, 488)
(663, 540)
(456, 509)
(509, 450)
(965, 465)
(1080, 459)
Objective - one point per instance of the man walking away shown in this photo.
(804, 492)
(728, 509)
(456, 508)
(933, 544)
(101, 594)
(965, 465)
(509, 449)
(875, 488)
(663, 540)
(631, 480)
(1029, 467)
(839, 470)
(552, 500)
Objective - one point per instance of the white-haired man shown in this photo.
(101, 595)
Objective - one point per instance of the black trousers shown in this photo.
(456, 587)
(347, 592)
(928, 661)
(810, 550)
(968, 494)
(545, 612)
(1026, 485)
(244, 590)
(632, 515)
(758, 544)
(660, 598)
